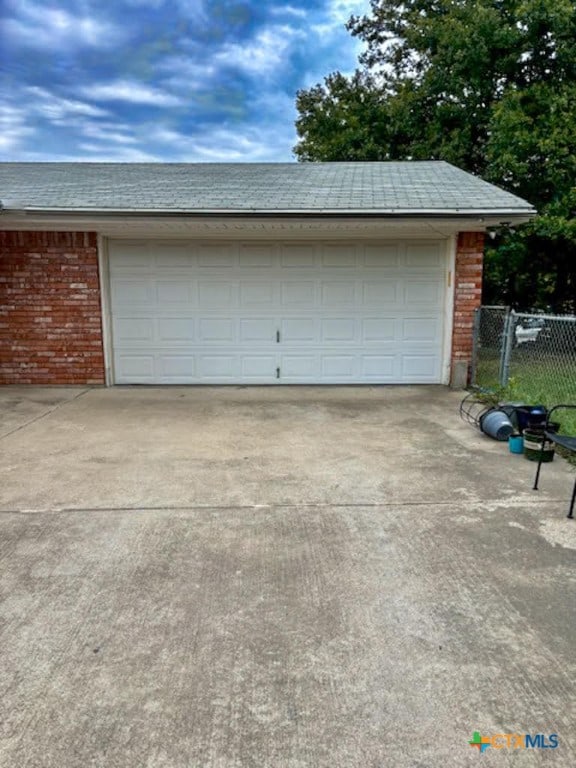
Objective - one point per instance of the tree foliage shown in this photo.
(488, 85)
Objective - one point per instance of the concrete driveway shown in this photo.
(282, 577)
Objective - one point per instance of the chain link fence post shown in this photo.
(475, 345)
(488, 338)
(507, 346)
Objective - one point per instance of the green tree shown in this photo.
(342, 120)
(489, 85)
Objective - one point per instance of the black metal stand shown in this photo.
(569, 443)
(571, 512)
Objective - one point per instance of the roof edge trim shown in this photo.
(243, 212)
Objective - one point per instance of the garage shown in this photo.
(243, 273)
(191, 312)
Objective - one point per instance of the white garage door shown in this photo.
(286, 313)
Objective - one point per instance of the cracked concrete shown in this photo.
(291, 577)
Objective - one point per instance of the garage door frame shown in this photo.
(450, 244)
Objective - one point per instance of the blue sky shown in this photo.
(163, 80)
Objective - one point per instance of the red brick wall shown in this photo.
(50, 317)
(467, 296)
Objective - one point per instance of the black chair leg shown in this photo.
(537, 478)
(571, 512)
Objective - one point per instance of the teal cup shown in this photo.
(516, 444)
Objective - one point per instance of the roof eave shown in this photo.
(511, 213)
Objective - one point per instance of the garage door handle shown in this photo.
(277, 337)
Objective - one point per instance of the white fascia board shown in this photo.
(250, 212)
(111, 224)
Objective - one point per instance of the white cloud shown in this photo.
(130, 91)
(288, 10)
(168, 136)
(341, 10)
(87, 153)
(96, 153)
(109, 133)
(96, 119)
(262, 55)
(247, 145)
(186, 71)
(57, 109)
(34, 25)
(340, 50)
(13, 128)
(243, 143)
(331, 23)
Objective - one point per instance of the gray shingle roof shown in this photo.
(394, 187)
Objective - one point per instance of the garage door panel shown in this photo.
(258, 329)
(297, 294)
(135, 369)
(217, 366)
(241, 312)
(379, 367)
(338, 329)
(426, 256)
(419, 367)
(173, 292)
(126, 292)
(423, 293)
(379, 329)
(425, 329)
(299, 329)
(176, 329)
(169, 257)
(339, 256)
(132, 256)
(381, 256)
(128, 331)
(339, 367)
(300, 367)
(216, 329)
(257, 294)
(380, 292)
(256, 256)
(215, 294)
(259, 366)
(216, 256)
(301, 256)
(336, 293)
(181, 367)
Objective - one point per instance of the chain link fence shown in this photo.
(532, 357)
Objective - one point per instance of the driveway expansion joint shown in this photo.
(41, 416)
(288, 505)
